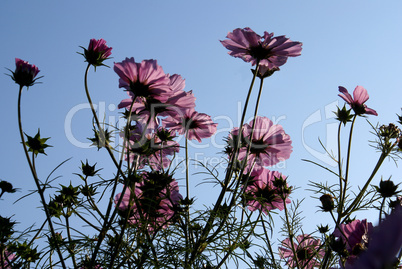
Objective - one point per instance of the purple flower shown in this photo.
(307, 251)
(195, 125)
(261, 192)
(147, 110)
(267, 50)
(146, 79)
(97, 52)
(158, 196)
(385, 243)
(25, 73)
(6, 259)
(269, 143)
(360, 96)
(356, 237)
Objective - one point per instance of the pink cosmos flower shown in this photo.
(269, 143)
(356, 237)
(97, 52)
(195, 125)
(145, 79)
(158, 197)
(307, 252)
(360, 96)
(25, 73)
(7, 259)
(267, 50)
(261, 192)
(148, 110)
(385, 243)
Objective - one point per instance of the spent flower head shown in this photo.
(102, 138)
(399, 118)
(25, 73)
(343, 115)
(36, 144)
(387, 188)
(89, 170)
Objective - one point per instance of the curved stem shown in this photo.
(36, 179)
(107, 221)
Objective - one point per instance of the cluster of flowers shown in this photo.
(161, 108)
(158, 109)
(153, 200)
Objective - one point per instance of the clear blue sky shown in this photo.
(346, 43)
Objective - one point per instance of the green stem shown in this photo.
(340, 205)
(356, 201)
(269, 245)
(186, 228)
(36, 179)
(347, 166)
(71, 244)
(290, 233)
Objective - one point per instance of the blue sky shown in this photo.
(346, 43)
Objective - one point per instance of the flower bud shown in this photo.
(6, 186)
(327, 202)
(97, 52)
(24, 73)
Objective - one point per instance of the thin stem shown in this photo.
(71, 245)
(381, 210)
(269, 245)
(36, 179)
(186, 228)
(363, 190)
(290, 233)
(340, 205)
(347, 165)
